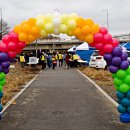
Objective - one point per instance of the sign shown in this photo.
(33, 60)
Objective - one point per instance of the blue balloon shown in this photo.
(1, 95)
(128, 94)
(4, 57)
(128, 109)
(120, 95)
(125, 102)
(121, 109)
(119, 101)
(1, 107)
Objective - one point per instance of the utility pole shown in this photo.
(106, 11)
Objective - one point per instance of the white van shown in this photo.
(97, 60)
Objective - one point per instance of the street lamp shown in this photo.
(106, 11)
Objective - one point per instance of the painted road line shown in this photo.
(99, 88)
(18, 94)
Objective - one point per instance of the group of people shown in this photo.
(52, 60)
(58, 59)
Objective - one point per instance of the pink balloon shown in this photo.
(13, 37)
(99, 46)
(107, 39)
(98, 37)
(3, 47)
(108, 48)
(19, 51)
(6, 39)
(21, 45)
(115, 42)
(92, 44)
(101, 53)
(12, 46)
(12, 54)
(103, 30)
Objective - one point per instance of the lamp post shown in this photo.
(106, 11)
(1, 23)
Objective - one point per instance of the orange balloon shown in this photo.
(17, 29)
(89, 22)
(31, 21)
(35, 31)
(95, 28)
(26, 28)
(82, 38)
(89, 38)
(77, 32)
(80, 22)
(22, 37)
(31, 38)
(85, 30)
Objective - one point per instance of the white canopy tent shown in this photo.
(72, 49)
(83, 46)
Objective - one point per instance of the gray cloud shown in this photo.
(15, 11)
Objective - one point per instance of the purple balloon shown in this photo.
(4, 57)
(108, 57)
(11, 59)
(1, 70)
(117, 51)
(116, 61)
(6, 71)
(128, 61)
(113, 69)
(124, 65)
(5, 65)
(124, 56)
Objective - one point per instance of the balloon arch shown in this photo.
(83, 29)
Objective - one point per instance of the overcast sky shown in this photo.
(15, 11)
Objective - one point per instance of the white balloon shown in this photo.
(56, 31)
(56, 22)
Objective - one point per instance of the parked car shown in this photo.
(97, 60)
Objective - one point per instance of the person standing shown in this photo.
(42, 57)
(60, 59)
(22, 60)
(54, 61)
(67, 59)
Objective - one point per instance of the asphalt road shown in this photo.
(62, 100)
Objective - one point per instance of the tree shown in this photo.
(4, 28)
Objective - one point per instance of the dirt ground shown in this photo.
(103, 78)
(16, 78)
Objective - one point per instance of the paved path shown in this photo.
(62, 100)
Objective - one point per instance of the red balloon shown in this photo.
(99, 46)
(103, 30)
(6, 39)
(21, 45)
(115, 42)
(19, 51)
(3, 47)
(12, 54)
(13, 37)
(92, 44)
(12, 46)
(101, 53)
(98, 37)
(108, 48)
(107, 39)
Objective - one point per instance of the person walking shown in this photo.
(60, 59)
(22, 60)
(54, 61)
(67, 59)
(49, 61)
(42, 57)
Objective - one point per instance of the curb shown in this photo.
(18, 94)
(99, 88)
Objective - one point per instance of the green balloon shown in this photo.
(124, 88)
(2, 76)
(117, 82)
(1, 88)
(121, 74)
(113, 75)
(127, 79)
(2, 82)
(128, 70)
(116, 87)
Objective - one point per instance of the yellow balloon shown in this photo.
(40, 16)
(89, 22)
(73, 16)
(63, 28)
(64, 18)
(32, 21)
(22, 37)
(49, 27)
(17, 29)
(43, 34)
(40, 23)
(70, 33)
(77, 32)
(71, 24)
(48, 18)
(89, 38)
(95, 28)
